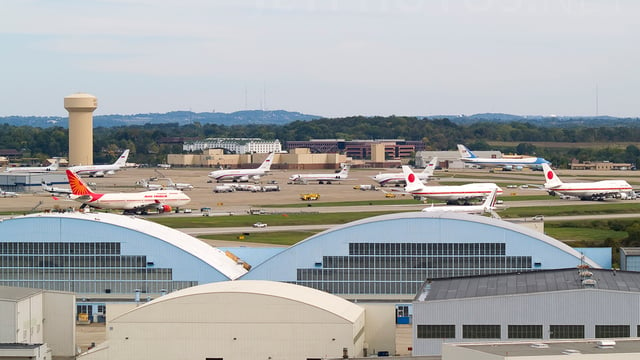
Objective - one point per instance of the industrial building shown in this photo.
(237, 320)
(630, 259)
(573, 303)
(234, 145)
(24, 333)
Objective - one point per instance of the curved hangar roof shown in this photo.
(138, 234)
(419, 227)
(257, 292)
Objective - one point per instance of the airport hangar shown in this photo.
(379, 262)
(538, 306)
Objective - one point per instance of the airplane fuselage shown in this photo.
(452, 193)
(235, 174)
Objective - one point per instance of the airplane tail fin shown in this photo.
(490, 201)
(550, 178)
(412, 181)
(266, 164)
(122, 160)
(78, 186)
(344, 172)
(431, 167)
(465, 152)
(55, 165)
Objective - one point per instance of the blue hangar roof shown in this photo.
(375, 255)
(187, 256)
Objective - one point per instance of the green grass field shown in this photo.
(271, 237)
(270, 219)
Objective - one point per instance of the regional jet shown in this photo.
(398, 178)
(131, 203)
(506, 163)
(452, 194)
(55, 191)
(34, 169)
(6, 194)
(321, 178)
(598, 190)
(101, 170)
(243, 175)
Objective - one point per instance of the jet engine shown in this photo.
(255, 177)
(243, 178)
(165, 208)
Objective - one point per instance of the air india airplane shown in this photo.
(131, 203)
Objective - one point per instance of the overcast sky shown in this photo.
(331, 58)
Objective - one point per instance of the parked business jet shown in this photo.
(131, 203)
(506, 163)
(489, 206)
(34, 169)
(101, 170)
(598, 190)
(178, 186)
(328, 178)
(452, 194)
(56, 191)
(398, 178)
(149, 186)
(6, 194)
(243, 175)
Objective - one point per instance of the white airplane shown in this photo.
(489, 206)
(34, 169)
(398, 178)
(149, 186)
(506, 163)
(452, 194)
(101, 170)
(6, 194)
(131, 203)
(328, 178)
(178, 186)
(598, 190)
(56, 191)
(243, 175)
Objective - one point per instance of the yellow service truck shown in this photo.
(309, 197)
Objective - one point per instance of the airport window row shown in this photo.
(60, 248)
(427, 249)
(521, 331)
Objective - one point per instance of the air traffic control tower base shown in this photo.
(80, 107)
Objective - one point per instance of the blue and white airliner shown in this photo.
(507, 163)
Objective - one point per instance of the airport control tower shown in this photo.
(80, 107)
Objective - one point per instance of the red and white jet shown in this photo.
(452, 194)
(243, 175)
(131, 203)
(598, 190)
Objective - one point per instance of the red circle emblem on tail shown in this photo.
(549, 175)
(412, 178)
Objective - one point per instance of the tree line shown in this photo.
(147, 145)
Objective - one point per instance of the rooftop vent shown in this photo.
(589, 283)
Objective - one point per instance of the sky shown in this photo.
(332, 58)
